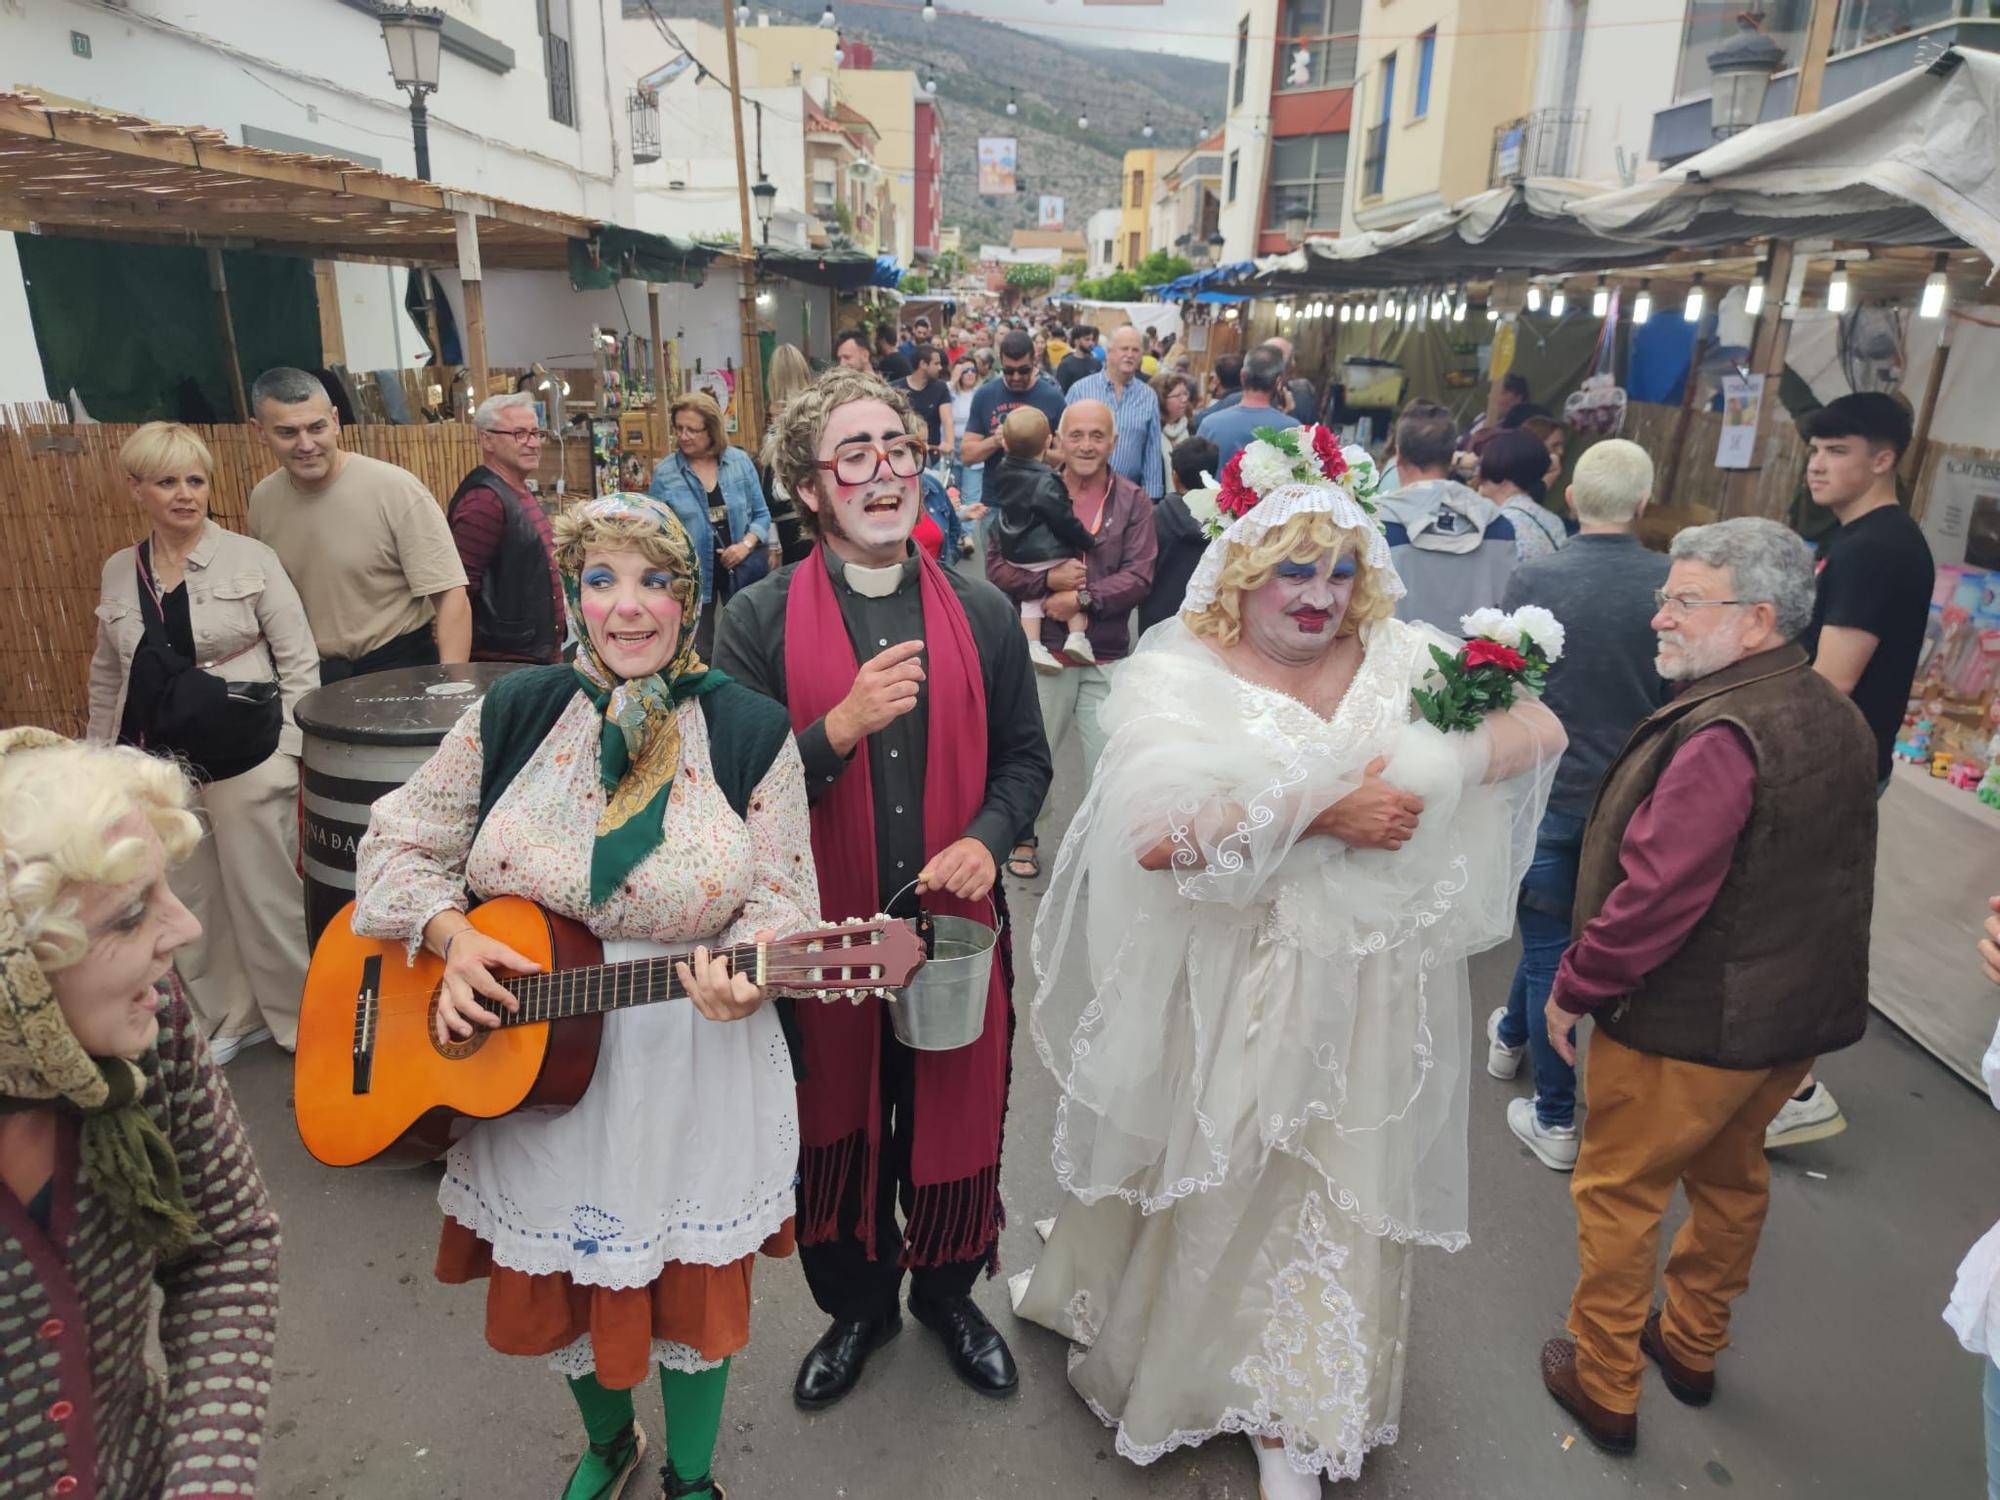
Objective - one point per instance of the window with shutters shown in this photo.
(1329, 32)
(553, 17)
(1308, 176)
(1242, 61)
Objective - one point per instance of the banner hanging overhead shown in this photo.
(996, 164)
(1052, 212)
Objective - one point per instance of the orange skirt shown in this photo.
(705, 1307)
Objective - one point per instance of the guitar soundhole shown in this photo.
(454, 1051)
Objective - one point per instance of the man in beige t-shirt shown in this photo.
(365, 543)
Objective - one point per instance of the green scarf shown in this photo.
(639, 741)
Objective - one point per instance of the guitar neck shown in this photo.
(608, 987)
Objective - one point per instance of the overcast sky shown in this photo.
(1200, 28)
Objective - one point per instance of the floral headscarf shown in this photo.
(639, 743)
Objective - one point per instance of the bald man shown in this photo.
(1141, 453)
(1107, 584)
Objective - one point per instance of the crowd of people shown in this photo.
(778, 690)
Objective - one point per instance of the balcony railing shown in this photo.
(642, 108)
(1375, 160)
(1547, 143)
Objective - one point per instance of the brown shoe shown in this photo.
(1613, 1431)
(1693, 1387)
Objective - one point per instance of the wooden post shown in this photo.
(750, 384)
(332, 334)
(1920, 438)
(219, 284)
(475, 305)
(663, 396)
(1774, 329)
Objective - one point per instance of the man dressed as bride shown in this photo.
(1252, 985)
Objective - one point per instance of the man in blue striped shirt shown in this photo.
(1141, 454)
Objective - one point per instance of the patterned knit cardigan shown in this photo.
(81, 1414)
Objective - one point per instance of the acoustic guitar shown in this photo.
(372, 1083)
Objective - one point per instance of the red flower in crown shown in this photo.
(1326, 448)
(1233, 497)
(1480, 652)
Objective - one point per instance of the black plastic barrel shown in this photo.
(364, 738)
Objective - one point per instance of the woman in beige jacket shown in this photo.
(244, 974)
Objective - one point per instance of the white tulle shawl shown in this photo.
(1273, 992)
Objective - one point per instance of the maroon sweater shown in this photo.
(1120, 568)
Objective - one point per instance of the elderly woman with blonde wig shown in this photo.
(1252, 994)
(660, 804)
(124, 1171)
(223, 603)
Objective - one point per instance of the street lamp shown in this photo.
(1295, 221)
(1216, 245)
(1741, 69)
(765, 192)
(414, 35)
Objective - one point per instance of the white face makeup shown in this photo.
(867, 523)
(1295, 618)
(132, 930)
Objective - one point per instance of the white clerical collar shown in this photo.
(874, 583)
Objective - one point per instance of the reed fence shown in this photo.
(65, 508)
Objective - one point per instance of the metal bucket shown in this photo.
(944, 1007)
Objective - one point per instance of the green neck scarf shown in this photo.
(639, 740)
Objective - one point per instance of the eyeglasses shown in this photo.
(1017, 372)
(523, 434)
(1681, 606)
(859, 464)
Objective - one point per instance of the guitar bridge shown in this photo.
(367, 1011)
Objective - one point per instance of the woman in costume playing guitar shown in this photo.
(659, 804)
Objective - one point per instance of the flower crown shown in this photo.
(1273, 459)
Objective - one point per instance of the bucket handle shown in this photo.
(995, 905)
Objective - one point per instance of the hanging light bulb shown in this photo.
(1642, 305)
(930, 10)
(1836, 288)
(1147, 129)
(1459, 310)
(1753, 295)
(1931, 305)
(1696, 300)
(1492, 314)
(1600, 299)
(742, 15)
(1013, 105)
(1374, 311)
(1440, 307)
(839, 54)
(1346, 312)
(1558, 302)
(826, 16)
(930, 83)
(1083, 119)
(1389, 310)
(1534, 297)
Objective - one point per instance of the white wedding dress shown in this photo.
(1263, 1051)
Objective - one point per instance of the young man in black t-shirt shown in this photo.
(1873, 602)
(930, 397)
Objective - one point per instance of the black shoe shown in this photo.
(977, 1351)
(834, 1364)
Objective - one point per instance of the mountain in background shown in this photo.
(979, 64)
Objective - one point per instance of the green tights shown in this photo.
(692, 1403)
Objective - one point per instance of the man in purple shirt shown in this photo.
(1723, 897)
(1107, 584)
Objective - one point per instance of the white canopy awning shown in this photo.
(1908, 162)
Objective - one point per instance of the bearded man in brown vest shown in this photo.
(1722, 905)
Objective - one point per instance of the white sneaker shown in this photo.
(223, 1048)
(1813, 1118)
(1077, 649)
(1502, 1061)
(1554, 1145)
(1043, 659)
(1277, 1479)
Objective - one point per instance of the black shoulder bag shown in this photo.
(217, 728)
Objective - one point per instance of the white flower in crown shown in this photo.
(1266, 467)
(1201, 505)
(1362, 479)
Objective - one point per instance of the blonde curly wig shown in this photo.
(59, 805)
(1305, 538)
(663, 547)
(791, 447)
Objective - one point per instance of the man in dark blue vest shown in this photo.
(504, 541)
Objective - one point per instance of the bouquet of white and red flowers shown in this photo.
(1501, 652)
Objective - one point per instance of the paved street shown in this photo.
(1844, 1381)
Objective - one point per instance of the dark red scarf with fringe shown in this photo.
(960, 1096)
